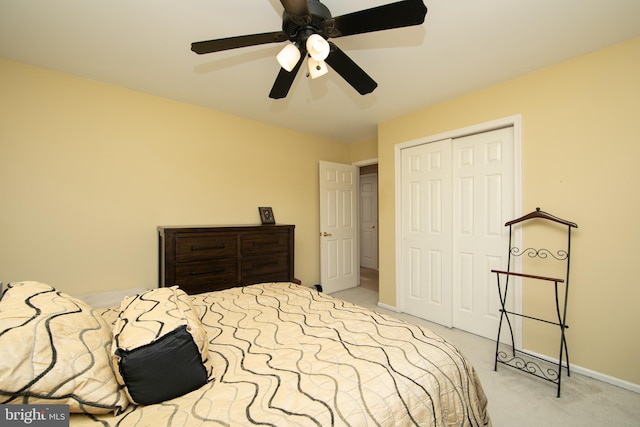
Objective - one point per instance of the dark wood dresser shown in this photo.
(202, 258)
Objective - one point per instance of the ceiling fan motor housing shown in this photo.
(300, 28)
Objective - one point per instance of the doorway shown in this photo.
(368, 213)
(455, 195)
(349, 225)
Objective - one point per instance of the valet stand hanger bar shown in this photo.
(541, 214)
(522, 360)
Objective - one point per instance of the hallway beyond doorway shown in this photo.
(369, 278)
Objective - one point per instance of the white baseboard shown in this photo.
(109, 298)
(388, 307)
(593, 374)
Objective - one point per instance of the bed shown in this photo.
(284, 354)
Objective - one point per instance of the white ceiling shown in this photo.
(462, 46)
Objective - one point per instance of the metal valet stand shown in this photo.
(518, 359)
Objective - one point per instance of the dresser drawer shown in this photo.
(264, 265)
(206, 271)
(205, 246)
(260, 243)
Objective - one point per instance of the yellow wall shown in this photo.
(88, 171)
(364, 150)
(580, 150)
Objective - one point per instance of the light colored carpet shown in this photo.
(520, 400)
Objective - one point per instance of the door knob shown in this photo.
(325, 234)
(373, 226)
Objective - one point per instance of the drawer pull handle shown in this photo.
(205, 248)
(195, 273)
(274, 242)
(263, 264)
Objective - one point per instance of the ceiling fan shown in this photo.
(307, 25)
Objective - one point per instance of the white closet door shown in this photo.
(483, 188)
(426, 231)
(456, 195)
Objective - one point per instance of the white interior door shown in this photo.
(483, 188)
(456, 195)
(339, 224)
(369, 221)
(426, 231)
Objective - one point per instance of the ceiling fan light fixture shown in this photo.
(306, 25)
(316, 68)
(288, 56)
(318, 47)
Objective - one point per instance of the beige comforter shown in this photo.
(286, 355)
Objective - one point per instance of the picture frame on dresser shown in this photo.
(266, 215)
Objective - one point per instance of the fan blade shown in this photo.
(350, 71)
(295, 7)
(285, 78)
(218, 45)
(395, 15)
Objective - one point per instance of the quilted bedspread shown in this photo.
(286, 355)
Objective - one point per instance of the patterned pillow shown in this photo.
(55, 350)
(160, 348)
